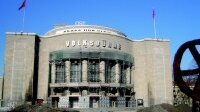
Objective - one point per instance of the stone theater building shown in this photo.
(86, 66)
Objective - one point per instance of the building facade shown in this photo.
(82, 66)
(180, 97)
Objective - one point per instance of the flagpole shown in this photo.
(154, 24)
(23, 6)
(23, 19)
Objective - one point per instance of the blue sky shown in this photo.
(176, 20)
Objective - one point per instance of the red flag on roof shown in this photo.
(153, 14)
(22, 5)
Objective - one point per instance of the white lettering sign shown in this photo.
(92, 43)
(97, 43)
(78, 43)
(67, 43)
(84, 42)
(73, 43)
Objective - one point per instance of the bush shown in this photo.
(184, 108)
(159, 108)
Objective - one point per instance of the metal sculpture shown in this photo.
(178, 73)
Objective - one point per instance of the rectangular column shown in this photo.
(53, 72)
(102, 71)
(84, 70)
(67, 71)
(128, 75)
(117, 72)
(52, 91)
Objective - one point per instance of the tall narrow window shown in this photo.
(109, 72)
(75, 75)
(123, 74)
(60, 73)
(93, 71)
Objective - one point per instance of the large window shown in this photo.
(122, 74)
(75, 75)
(60, 73)
(109, 76)
(93, 70)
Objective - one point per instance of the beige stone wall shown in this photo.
(19, 66)
(152, 73)
(139, 78)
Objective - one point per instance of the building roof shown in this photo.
(66, 29)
